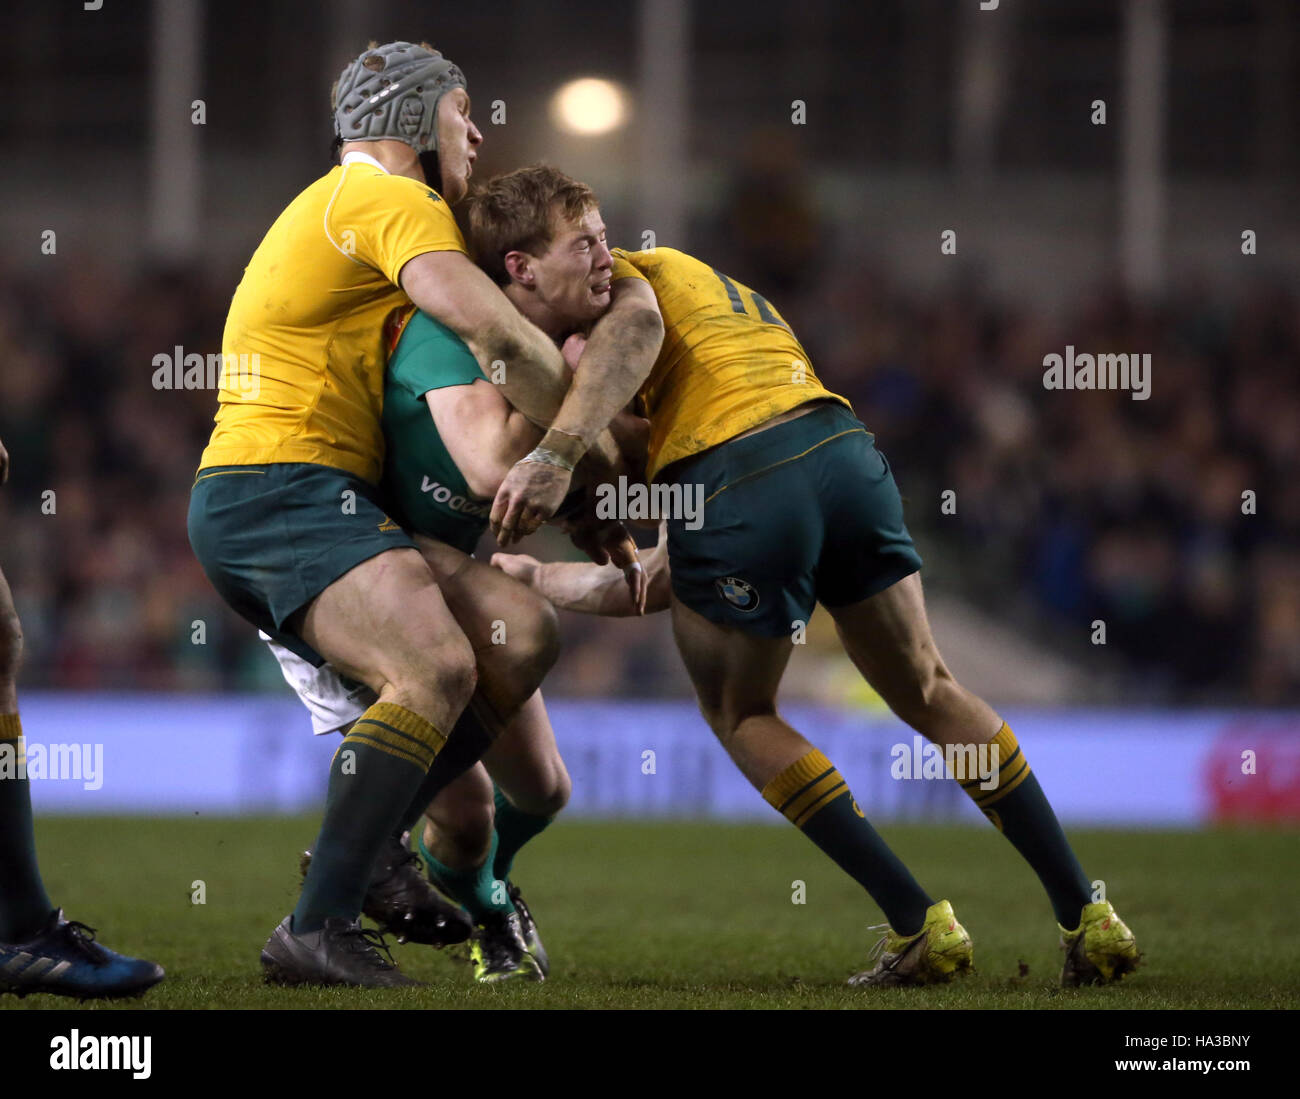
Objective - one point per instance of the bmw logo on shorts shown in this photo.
(742, 596)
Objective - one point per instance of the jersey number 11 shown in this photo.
(766, 314)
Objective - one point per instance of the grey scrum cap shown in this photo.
(392, 92)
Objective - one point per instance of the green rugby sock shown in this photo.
(479, 891)
(1025, 817)
(373, 778)
(24, 905)
(814, 797)
(514, 828)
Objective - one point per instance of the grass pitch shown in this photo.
(682, 915)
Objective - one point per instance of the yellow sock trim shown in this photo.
(1013, 769)
(11, 732)
(399, 732)
(838, 790)
(804, 788)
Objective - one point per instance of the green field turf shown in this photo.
(650, 915)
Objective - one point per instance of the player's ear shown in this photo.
(519, 266)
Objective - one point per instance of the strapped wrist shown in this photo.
(545, 456)
(564, 443)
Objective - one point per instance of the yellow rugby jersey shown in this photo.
(729, 362)
(311, 306)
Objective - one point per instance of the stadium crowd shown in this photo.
(1173, 520)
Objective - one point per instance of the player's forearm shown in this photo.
(584, 587)
(526, 365)
(536, 387)
(602, 589)
(516, 436)
(618, 357)
(603, 462)
(513, 352)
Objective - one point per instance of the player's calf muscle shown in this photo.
(11, 645)
(11, 650)
(526, 762)
(461, 816)
(8, 681)
(763, 745)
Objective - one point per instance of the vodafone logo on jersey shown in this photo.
(443, 495)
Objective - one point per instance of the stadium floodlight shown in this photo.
(590, 106)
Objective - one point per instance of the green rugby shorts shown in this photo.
(271, 538)
(804, 512)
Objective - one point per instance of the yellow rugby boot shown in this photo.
(499, 952)
(1100, 950)
(934, 955)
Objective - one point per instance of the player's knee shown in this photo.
(444, 676)
(458, 675)
(561, 789)
(462, 840)
(918, 699)
(547, 794)
(717, 718)
(463, 815)
(726, 717)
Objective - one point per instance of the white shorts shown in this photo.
(330, 701)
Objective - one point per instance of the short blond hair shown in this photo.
(516, 212)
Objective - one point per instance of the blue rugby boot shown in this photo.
(64, 959)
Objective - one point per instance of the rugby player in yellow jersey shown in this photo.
(285, 516)
(799, 508)
(451, 437)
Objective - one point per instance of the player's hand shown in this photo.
(573, 349)
(623, 553)
(585, 533)
(4, 464)
(531, 493)
(606, 541)
(518, 565)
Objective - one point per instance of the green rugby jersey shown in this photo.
(422, 485)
